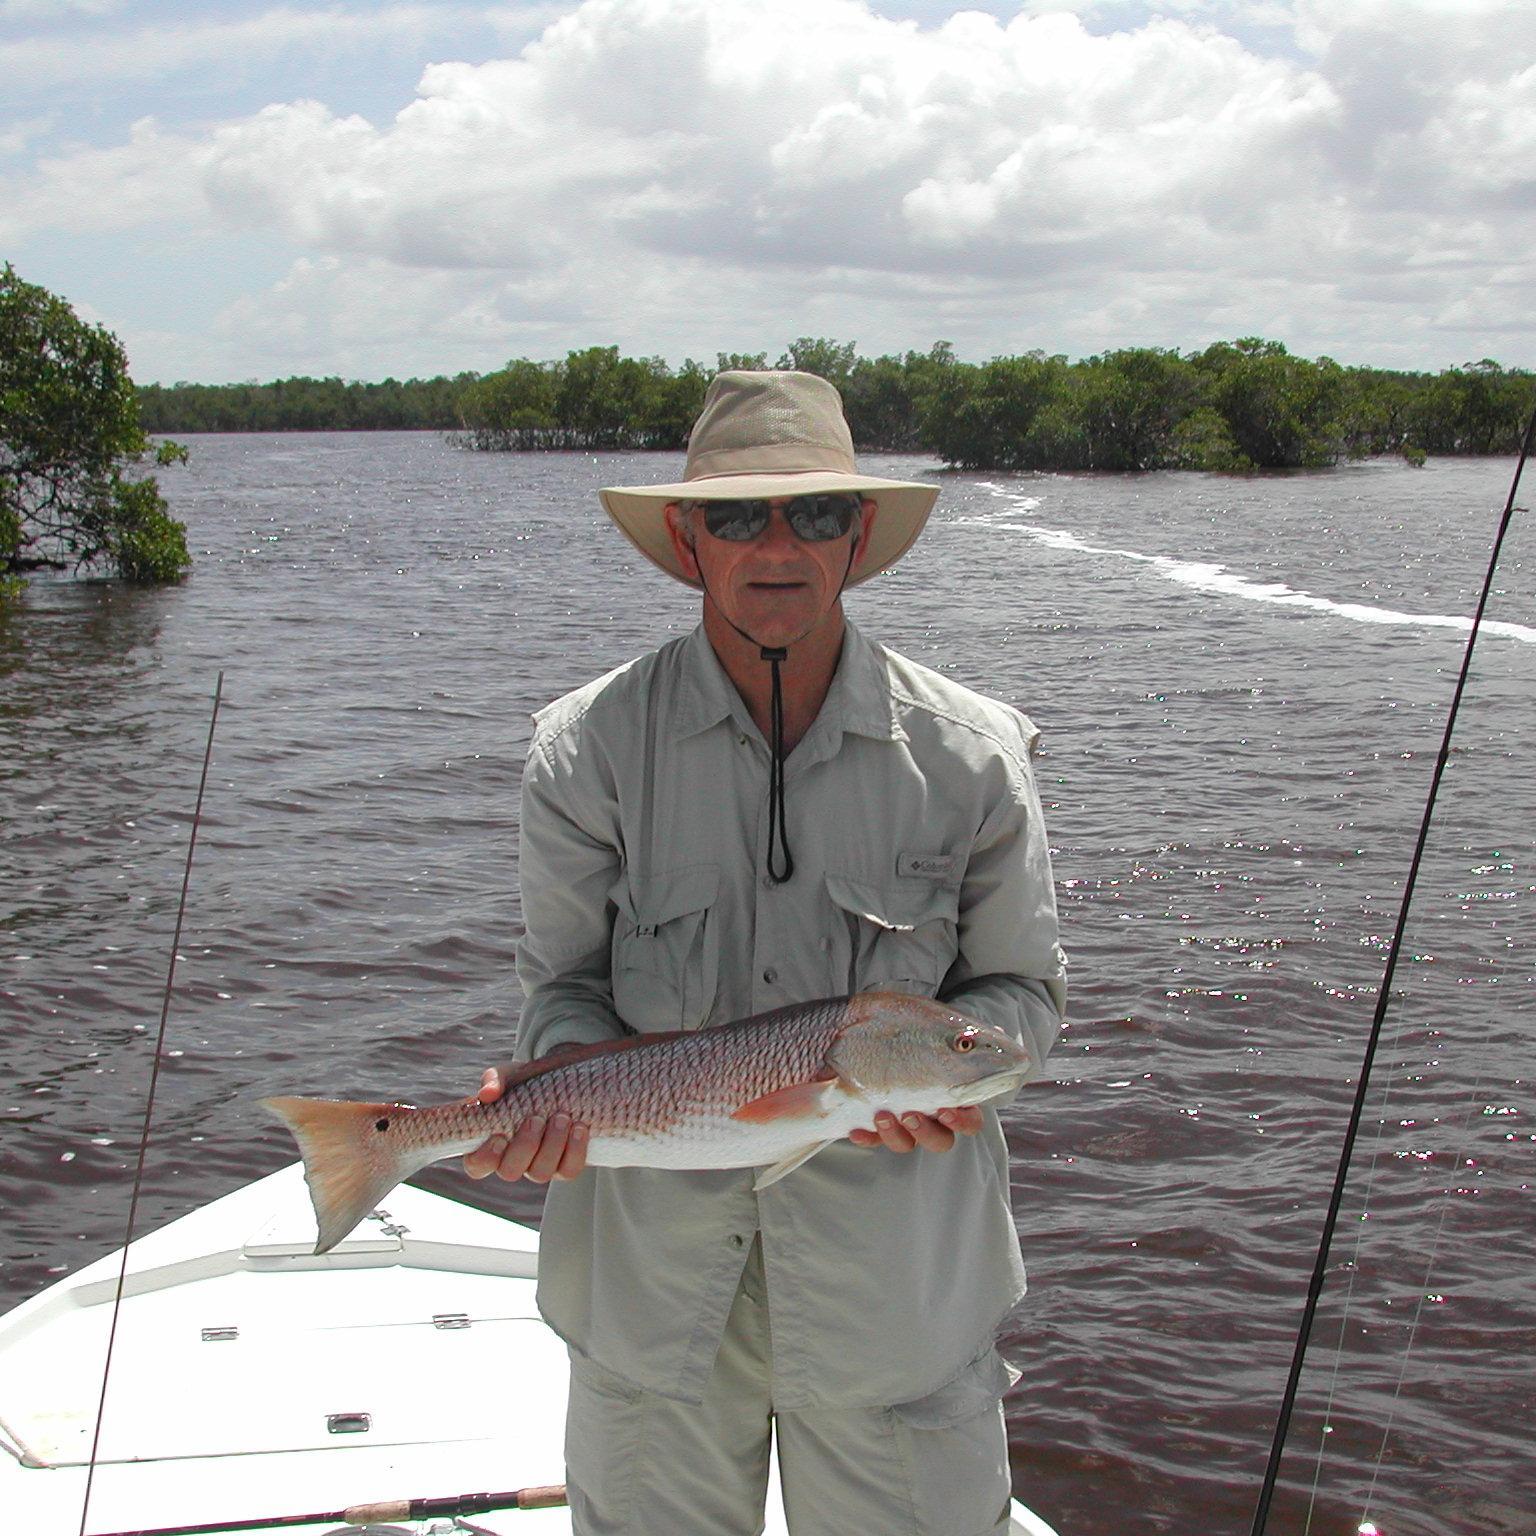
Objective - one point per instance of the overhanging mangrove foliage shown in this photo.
(1233, 406)
(72, 495)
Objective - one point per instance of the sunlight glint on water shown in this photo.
(1233, 778)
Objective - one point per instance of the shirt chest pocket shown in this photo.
(665, 955)
(901, 937)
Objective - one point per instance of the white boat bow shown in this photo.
(251, 1378)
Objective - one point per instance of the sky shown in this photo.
(376, 188)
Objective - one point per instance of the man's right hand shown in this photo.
(540, 1151)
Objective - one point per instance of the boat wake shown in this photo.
(1207, 576)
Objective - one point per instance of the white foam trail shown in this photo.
(1206, 576)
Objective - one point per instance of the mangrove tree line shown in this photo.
(1234, 405)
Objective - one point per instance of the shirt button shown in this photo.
(768, 882)
(742, 739)
(770, 975)
(737, 1240)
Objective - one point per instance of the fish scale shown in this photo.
(769, 1091)
(629, 1093)
(680, 1083)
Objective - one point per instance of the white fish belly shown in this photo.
(711, 1143)
(715, 1141)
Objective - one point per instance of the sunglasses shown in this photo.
(813, 518)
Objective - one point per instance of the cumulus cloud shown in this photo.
(148, 179)
(1437, 96)
(658, 167)
(803, 133)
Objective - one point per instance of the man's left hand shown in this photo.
(933, 1133)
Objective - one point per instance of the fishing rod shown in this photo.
(551, 1497)
(149, 1105)
(545, 1497)
(1383, 1000)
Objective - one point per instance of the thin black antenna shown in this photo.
(1383, 999)
(149, 1105)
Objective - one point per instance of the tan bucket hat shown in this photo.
(764, 434)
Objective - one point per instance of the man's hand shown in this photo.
(933, 1133)
(540, 1151)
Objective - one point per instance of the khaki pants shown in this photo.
(638, 1464)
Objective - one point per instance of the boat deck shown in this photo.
(251, 1378)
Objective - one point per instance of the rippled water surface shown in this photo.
(1242, 684)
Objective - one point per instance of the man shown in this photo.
(771, 810)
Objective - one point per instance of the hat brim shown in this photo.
(904, 505)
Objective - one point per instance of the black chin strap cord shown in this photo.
(775, 656)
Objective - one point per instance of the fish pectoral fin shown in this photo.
(798, 1101)
(773, 1174)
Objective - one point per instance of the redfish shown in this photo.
(770, 1092)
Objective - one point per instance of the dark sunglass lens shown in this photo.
(822, 517)
(736, 521)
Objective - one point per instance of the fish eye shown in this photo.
(965, 1040)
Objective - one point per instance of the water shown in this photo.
(1242, 685)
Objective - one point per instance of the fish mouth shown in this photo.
(990, 1087)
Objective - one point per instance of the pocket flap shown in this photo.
(897, 908)
(674, 893)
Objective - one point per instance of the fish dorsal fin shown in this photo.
(797, 1101)
(789, 1164)
(573, 1053)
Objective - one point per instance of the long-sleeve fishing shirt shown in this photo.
(920, 864)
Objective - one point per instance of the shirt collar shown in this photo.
(705, 694)
(859, 700)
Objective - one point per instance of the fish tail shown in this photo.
(351, 1161)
